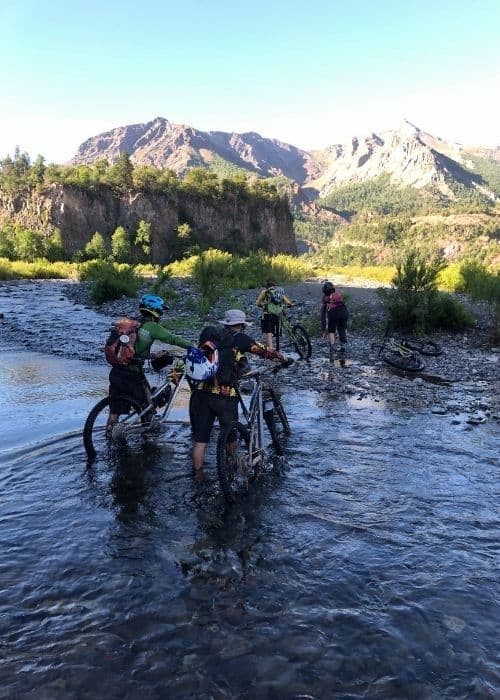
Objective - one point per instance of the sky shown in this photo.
(307, 73)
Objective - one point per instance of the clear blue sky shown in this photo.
(311, 74)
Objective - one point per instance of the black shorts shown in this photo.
(205, 407)
(337, 320)
(269, 323)
(127, 382)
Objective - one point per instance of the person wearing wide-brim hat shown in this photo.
(217, 397)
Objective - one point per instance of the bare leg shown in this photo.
(199, 456)
(112, 419)
(269, 341)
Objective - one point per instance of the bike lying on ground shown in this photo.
(140, 422)
(241, 450)
(296, 334)
(402, 352)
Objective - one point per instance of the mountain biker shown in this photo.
(210, 399)
(272, 299)
(130, 380)
(333, 317)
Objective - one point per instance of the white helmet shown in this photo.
(199, 367)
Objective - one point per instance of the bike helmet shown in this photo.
(328, 288)
(152, 304)
(199, 367)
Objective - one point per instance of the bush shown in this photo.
(414, 288)
(110, 280)
(448, 313)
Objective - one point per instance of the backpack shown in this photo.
(120, 345)
(221, 339)
(333, 301)
(273, 300)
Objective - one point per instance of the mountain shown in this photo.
(408, 155)
(179, 147)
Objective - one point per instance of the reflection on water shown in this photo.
(366, 566)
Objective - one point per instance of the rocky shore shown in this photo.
(461, 385)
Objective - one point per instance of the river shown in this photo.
(366, 566)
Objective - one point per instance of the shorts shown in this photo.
(269, 323)
(127, 382)
(205, 407)
(337, 321)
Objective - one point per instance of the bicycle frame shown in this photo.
(254, 415)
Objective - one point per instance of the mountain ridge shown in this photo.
(408, 154)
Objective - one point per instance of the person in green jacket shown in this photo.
(130, 380)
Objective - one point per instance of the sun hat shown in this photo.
(233, 317)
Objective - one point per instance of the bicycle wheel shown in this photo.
(234, 461)
(97, 435)
(279, 412)
(269, 418)
(301, 341)
(424, 347)
(407, 363)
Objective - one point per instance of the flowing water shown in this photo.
(363, 566)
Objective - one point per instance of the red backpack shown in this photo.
(333, 300)
(120, 345)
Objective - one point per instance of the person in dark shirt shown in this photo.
(334, 317)
(211, 399)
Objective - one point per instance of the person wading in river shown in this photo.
(130, 380)
(334, 317)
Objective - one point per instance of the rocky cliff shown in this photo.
(240, 226)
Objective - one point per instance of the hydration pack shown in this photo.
(120, 345)
(221, 340)
(273, 300)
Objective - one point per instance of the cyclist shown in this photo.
(272, 299)
(130, 380)
(333, 316)
(217, 398)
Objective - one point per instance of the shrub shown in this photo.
(481, 284)
(445, 311)
(414, 288)
(109, 280)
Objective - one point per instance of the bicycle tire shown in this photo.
(94, 429)
(300, 340)
(271, 426)
(407, 363)
(424, 347)
(280, 412)
(233, 466)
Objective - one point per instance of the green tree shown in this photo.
(54, 249)
(143, 238)
(120, 245)
(28, 245)
(121, 175)
(96, 248)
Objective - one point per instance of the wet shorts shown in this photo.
(205, 407)
(269, 323)
(125, 382)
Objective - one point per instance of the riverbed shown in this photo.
(363, 565)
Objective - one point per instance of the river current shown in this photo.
(365, 565)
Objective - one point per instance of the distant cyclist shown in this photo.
(334, 317)
(272, 300)
(130, 380)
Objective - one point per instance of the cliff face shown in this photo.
(235, 226)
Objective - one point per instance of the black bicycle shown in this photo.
(241, 449)
(139, 423)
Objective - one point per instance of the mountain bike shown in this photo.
(140, 422)
(296, 334)
(396, 354)
(423, 347)
(241, 450)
